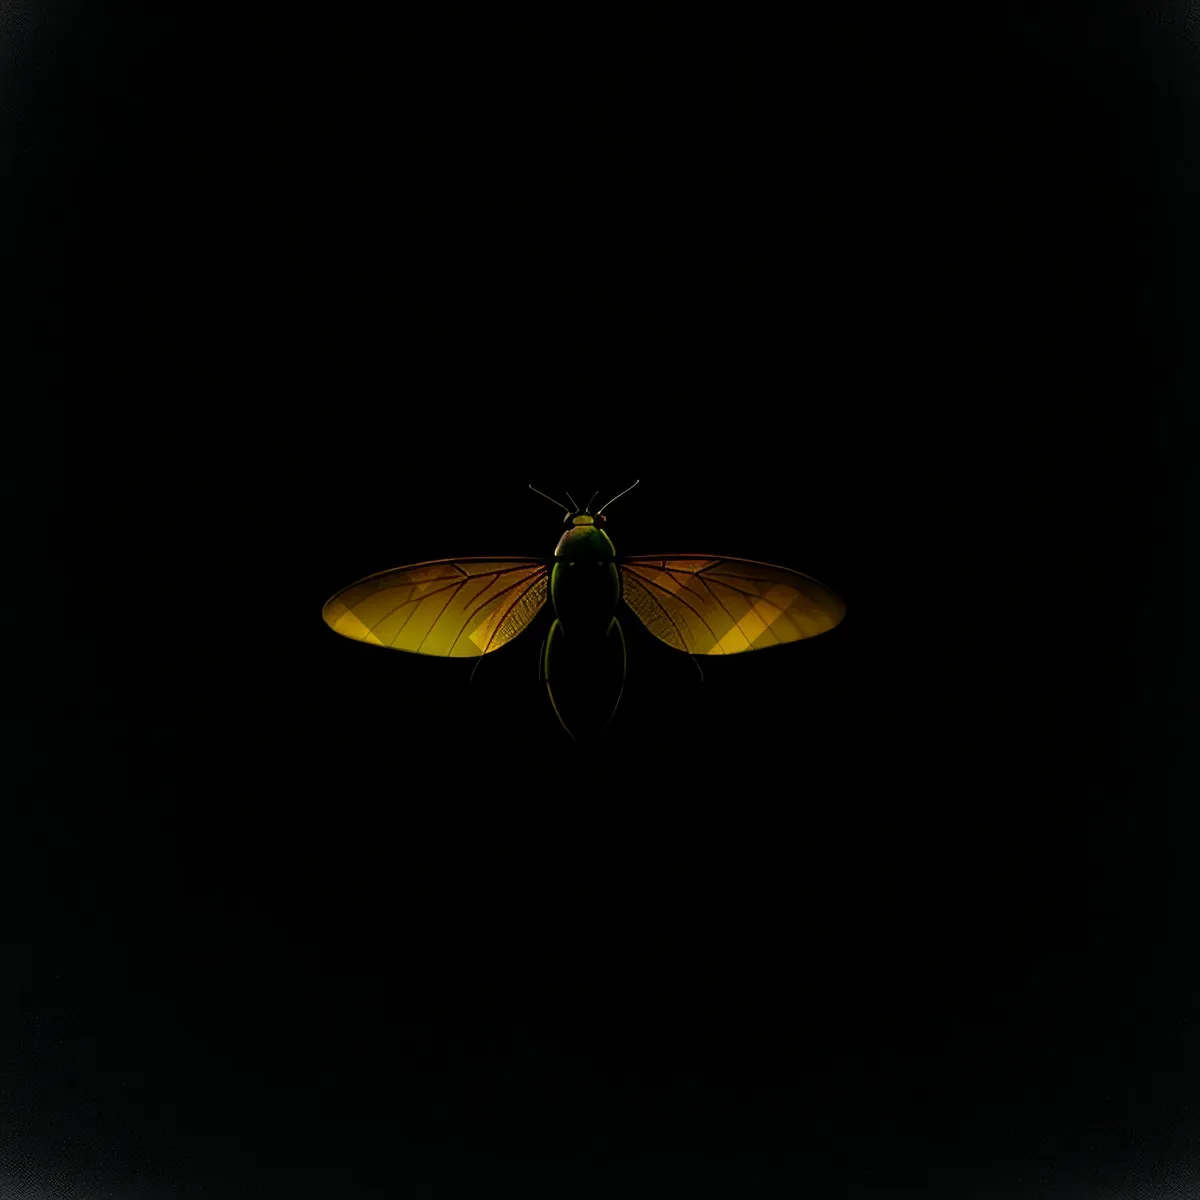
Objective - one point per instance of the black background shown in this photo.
(900, 298)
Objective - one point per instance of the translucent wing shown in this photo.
(710, 605)
(456, 608)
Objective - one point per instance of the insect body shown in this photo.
(698, 604)
(583, 658)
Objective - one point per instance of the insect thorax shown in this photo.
(585, 586)
(585, 542)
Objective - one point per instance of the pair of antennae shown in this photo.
(588, 506)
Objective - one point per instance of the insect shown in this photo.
(698, 604)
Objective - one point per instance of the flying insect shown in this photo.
(698, 604)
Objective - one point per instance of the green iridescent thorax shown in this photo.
(584, 542)
(585, 586)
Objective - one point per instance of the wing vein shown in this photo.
(453, 584)
(433, 623)
(516, 600)
(676, 596)
(736, 623)
(665, 613)
(476, 609)
(363, 610)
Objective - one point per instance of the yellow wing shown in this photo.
(710, 605)
(456, 608)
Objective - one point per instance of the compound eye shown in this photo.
(600, 519)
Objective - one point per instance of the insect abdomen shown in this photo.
(584, 677)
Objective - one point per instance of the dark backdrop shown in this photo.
(899, 298)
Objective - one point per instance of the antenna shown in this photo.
(618, 496)
(572, 500)
(589, 503)
(556, 503)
